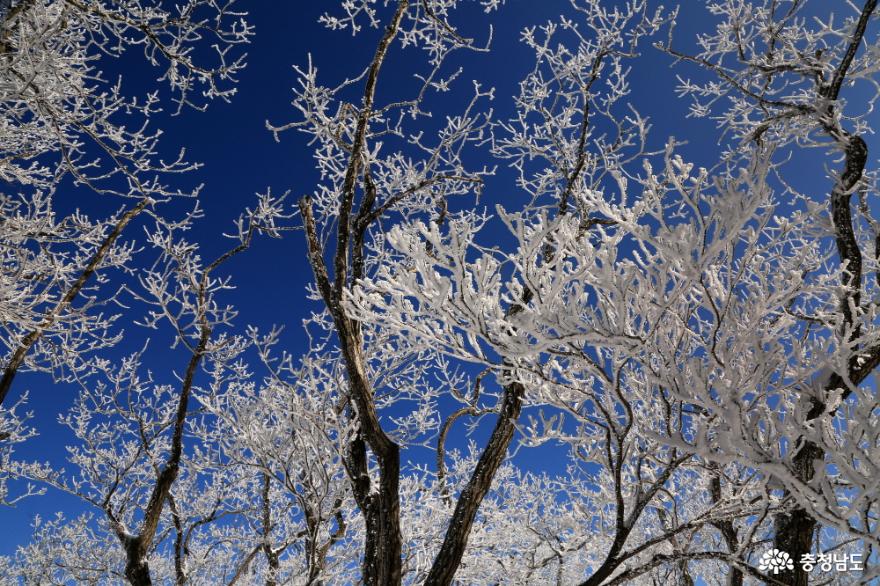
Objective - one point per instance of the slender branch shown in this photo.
(52, 316)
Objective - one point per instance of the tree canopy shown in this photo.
(495, 280)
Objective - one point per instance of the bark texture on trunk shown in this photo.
(381, 564)
(137, 571)
(795, 529)
(449, 557)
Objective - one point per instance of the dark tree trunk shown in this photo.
(382, 562)
(449, 557)
(137, 572)
(794, 530)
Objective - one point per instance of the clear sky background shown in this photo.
(241, 157)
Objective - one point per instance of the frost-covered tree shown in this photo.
(695, 344)
(791, 75)
(129, 459)
(64, 123)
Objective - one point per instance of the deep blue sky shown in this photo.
(241, 157)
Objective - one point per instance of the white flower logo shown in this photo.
(775, 560)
